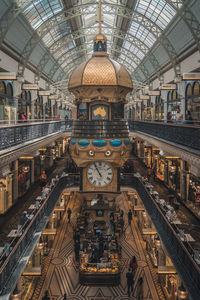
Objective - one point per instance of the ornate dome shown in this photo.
(100, 70)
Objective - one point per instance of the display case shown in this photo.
(105, 273)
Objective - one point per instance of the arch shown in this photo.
(196, 89)
(9, 89)
(189, 91)
(2, 87)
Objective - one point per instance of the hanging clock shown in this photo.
(99, 174)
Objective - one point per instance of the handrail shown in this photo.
(185, 265)
(187, 135)
(35, 226)
(16, 134)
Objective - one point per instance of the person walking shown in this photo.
(130, 216)
(129, 279)
(69, 212)
(139, 293)
(46, 296)
(65, 296)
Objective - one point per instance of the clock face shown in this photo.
(99, 174)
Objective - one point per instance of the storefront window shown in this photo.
(9, 90)
(193, 102)
(2, 91)
(194, 190)
(173, 102)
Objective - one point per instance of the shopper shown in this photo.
(130, 217)
(46, 296)
(139, 292)
(133, 265)
(69, 212)
(43, 179)
(129, 279)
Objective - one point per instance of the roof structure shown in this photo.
(145, 36)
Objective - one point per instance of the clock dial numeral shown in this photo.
(99, 174)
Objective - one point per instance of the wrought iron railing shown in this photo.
(17, 134)
(13, 263)
(183, 134)
(188, 270)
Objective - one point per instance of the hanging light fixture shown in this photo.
(26, 169)
(42, 156)
(182, 293)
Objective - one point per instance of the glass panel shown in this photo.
(196, 90)
(9, 89)
(189, 90)
(158, 11)
(2, 87)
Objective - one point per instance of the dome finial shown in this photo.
(100, 41)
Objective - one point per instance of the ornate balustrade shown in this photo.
(100, 129)
(182, 134)
(14, 264)
(17, 134)
(188, 270)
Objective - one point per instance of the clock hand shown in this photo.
(97, 170)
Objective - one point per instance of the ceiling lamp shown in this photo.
(144, 97)
(30, 87)
(44, 93)
(8, 76)
(154, 93)
(167, 86)
(42, 156)
(26, 169)
(191, 76)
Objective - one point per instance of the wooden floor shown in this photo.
(60, 273)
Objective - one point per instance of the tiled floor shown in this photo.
(61, 270)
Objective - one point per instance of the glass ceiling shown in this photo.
(129, 46)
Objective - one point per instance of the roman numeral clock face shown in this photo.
(99, 174)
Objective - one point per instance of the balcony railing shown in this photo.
(182, 260)
(13, 135)
(100, 129)
(13, 265)
(182, 134)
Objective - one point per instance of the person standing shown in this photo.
(133, 265)
(65, 296)
(46, 296)
(43, 179)
(130, 217)
(139, 292)
(129, 279)
(69, 212)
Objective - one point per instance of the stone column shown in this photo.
(9, 189)
(15, 181)
(17, 91)
(34, 96)
(32, 171)
(45, 101)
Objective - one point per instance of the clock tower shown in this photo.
(100, 142)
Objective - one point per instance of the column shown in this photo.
(34, 96)
(184, 180)
(45, 100)
(17, 90)
(32, 171)
(15, 181)
(9, 189)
